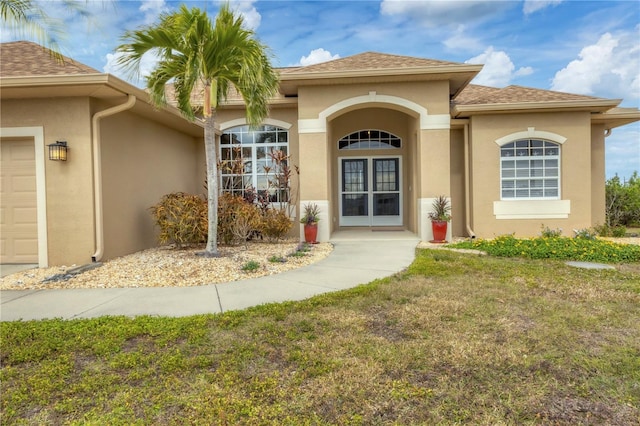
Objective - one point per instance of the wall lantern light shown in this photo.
(58, 151)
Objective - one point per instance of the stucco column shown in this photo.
(314, 179)
(435, 175)
(598, 190)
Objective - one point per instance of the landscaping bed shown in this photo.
(171, 267)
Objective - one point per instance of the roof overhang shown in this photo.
(617, 117)
(591, 105)
(105, 87)
(458, 75)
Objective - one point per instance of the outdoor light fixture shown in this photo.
(58, 151)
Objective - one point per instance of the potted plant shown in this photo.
(310, 220)
(440, 217)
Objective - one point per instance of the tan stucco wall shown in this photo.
(69, 189)
(433, 95)
(576, 169)
(457, 182)
(598, 175)
(142, 160)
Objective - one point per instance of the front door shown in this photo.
(370, 191)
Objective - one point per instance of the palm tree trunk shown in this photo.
(212, 184)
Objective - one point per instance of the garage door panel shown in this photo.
(23, 185)
(26, 216)
(18, 196)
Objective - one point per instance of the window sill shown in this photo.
(532, 209)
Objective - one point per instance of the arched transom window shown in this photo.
(247, 159)
(530, 169)
(369, 139)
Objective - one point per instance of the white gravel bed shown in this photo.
(170, 267)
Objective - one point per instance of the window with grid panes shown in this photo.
(530, 169)
(245, 161)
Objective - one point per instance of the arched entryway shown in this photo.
(371, 170)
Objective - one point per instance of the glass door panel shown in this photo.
(386, 192)
(354, 210)
(370, 192)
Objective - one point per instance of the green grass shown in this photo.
(562, 248)
(455, 339)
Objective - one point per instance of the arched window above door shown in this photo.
(369, 139)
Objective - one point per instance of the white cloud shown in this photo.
(498, 70)
(152, 9)
(250, 14)
(317, 56)
(531, 6)
(147, 65)
(436, 13)
(461, 41)
(607, 68)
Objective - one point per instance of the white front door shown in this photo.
(370, 192)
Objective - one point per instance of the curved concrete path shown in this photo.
(358, 257)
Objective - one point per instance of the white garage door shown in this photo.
(18, 211)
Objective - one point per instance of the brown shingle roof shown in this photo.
(24, 58)
(481, 95)
(370, 61)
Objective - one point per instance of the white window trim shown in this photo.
(533, 208)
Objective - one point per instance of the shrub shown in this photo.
(182, 219)
(605, 230)
(561, 248)
(251, 266)
(619, 231)
(623, 201)
(237, 219)
(586, 233)
(547, 232)
(275, 224)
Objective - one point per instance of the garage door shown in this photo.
(18, 212)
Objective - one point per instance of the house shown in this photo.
(123, 155)
(377, 138)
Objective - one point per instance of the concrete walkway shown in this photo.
(358, 257)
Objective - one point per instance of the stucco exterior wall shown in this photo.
(142, 160)
(69, 189)
(576, 170)
(433, 95)
(598, 175)
(457, 182)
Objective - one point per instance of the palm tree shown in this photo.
(194, 54)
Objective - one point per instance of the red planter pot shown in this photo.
(439, 228)
(311, 233)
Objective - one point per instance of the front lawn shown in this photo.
(457, 338)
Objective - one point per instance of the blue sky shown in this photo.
(584, 47)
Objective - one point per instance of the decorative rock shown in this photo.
(589, 265)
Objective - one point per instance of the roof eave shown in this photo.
(591, 105)
(289, 82)
(101, 86)
(615, 119)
